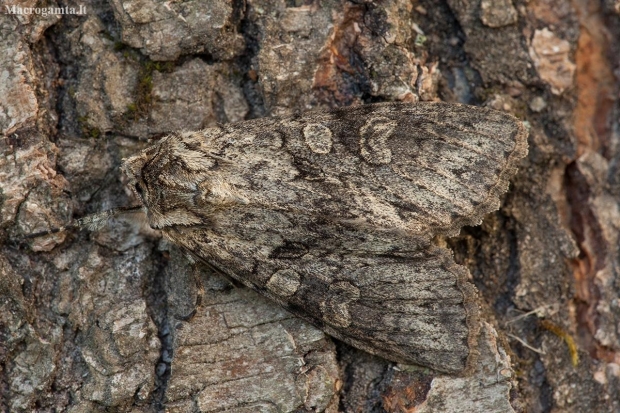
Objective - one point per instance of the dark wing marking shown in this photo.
(427, 168)
(392, 295)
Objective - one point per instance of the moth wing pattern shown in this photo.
(399, 298)
(332, 213)
(427, 168)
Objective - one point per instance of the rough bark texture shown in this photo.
(119, 320)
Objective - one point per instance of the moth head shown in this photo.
(177, 181)
(132, 168)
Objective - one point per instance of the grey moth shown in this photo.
(332, 214)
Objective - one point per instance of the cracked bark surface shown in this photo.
(119, 319)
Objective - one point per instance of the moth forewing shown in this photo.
(331, 214)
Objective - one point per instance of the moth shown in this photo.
(332, 214)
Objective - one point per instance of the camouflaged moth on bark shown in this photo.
(332, 214)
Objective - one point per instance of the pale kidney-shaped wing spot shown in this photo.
(318, 138)
(373, 140)
(284, 283)
(335, 308)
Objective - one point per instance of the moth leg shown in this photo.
(200, 290)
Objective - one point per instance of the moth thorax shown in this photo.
(216, 193)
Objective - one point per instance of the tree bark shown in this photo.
(120, 320)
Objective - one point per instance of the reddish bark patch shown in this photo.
(338, 61)
(406, 392)
(594, 81)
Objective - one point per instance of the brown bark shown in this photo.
(119, 319)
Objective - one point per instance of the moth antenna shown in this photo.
(92, 222)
